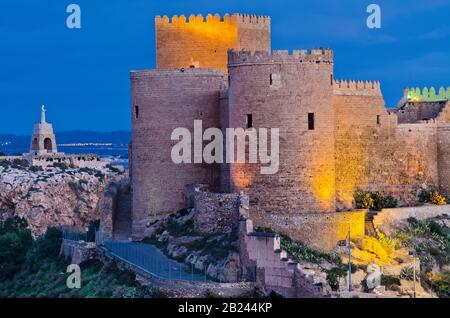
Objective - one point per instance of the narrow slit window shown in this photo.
(271, 80)
(331, 78)
(136, 111)
(311, 121)
(378, 120)
(249, 121)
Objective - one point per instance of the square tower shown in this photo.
(199, 42)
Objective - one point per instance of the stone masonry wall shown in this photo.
(443, 138)
(321, 230)
(107, 210)
(388, 219)
(78, 252)
(163, 100)
(279, 90)
(217, 212)
(374, 153)
(203, 42)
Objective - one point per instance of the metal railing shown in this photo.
(151, 260)
(77, 236)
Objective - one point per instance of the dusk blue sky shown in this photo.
(82, 76)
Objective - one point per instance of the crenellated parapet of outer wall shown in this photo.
(357, 88)
(279, 56)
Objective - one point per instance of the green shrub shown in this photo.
(334, 275)
(441, 284)
(433, 197)
(15, 241)
(114, 169)
(363, 200)
(388, 281)
(407, 273)
(302, 252)
(45, 246)
(36, 168)
(20, 164)
(373, 200)
(61, 165)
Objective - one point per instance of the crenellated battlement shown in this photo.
(357, 88)
(235, 19)
(426, 94)
(280, 56)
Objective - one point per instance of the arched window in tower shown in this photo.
(48, 145)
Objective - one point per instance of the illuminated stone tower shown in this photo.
(203, 43)
(43, 140)
(292, 92)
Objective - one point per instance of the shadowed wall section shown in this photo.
(163, 100)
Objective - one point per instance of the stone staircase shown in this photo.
(122, 217)
(370, 229)
(275, 271)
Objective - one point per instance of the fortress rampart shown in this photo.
(357, 88)
(336, 136)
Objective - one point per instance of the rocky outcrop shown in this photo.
(215, 255)
(52, 196)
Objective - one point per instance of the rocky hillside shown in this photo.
(52, 196)
(214, 255)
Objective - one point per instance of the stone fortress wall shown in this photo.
(374, 152)
(279, 90)
(163, 100)
(354, 141)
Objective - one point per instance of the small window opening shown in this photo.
(191, 66)
(378, 120)
(249, 121)
(331, 78)
(229, 80)
(311, 121)
(136, 111)
(271, 79)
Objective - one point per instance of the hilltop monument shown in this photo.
(43, 140)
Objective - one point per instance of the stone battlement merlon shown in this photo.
(236, 18)
(357, 88)
(280, 56)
